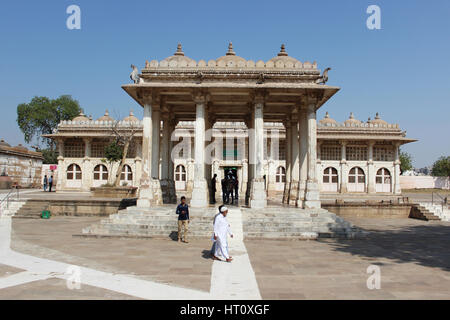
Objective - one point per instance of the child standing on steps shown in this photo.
(183, 220)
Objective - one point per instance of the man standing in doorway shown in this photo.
(45, 183)
(221, 231)
(50, 184)
(183, 220)
(213, 189)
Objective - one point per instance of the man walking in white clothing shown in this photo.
(221, 231)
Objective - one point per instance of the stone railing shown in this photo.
(358, 125)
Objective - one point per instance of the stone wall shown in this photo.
(23, 171)
(379, 210)
(424, 182)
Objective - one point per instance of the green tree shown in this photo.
(441, 168)
(42, 115)
(405, 162)
(50, 156)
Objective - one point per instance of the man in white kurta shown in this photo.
(221, 231)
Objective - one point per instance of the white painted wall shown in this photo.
(424, 182)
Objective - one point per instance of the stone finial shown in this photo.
(106, 113)
(131, 112)
(377, 116)
(351, 116)
(179, 50)
(283, 51)
(368, 120)
(230, 50)
(327, 115)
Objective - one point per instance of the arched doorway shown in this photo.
(330, 180)
(180, 177)
(356, 180)
(383, 181)
(74, 176)
(100, 175)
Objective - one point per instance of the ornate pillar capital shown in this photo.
(259, 96)
(200, 96)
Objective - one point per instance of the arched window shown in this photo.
(101, 172)
(180, 173)
(356, 180)
(280, 175)
(383, 180)
(127, 173)
(74, 172)
(330, 180)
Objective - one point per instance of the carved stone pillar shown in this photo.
(200, 190)
(287, 185)
(146, 186)
(303, 155)
(295, 169)
(397, 188)
(61, 168)
(258, 192)
(312, 196)
(87, 170)
(371, 169)
(344, 169)
(165, 158)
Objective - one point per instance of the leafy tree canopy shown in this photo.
(42, 115)
(50, 156)
(441, 168)
(113, 152)
(406, 162)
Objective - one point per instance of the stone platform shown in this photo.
(268, 223)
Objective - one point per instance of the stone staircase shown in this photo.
(11, 209)
(297, 224)
(438, 210)
(32, 209)
(276, 223)
(425, 212)
(158, 222)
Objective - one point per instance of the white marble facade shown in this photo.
(267, 113)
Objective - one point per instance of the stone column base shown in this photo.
(199, 194)
(258, 194)
(293, 193)
(157, 193)
(145, 195)
(312, 196)
(301, 194)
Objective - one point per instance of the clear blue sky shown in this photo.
(401, 71)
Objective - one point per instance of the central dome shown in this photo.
(231, 59)
(282, 60)
(178, 60)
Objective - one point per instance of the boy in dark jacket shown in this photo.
(183, 220)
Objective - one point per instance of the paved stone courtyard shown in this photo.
(413, 257)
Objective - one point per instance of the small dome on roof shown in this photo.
(106, 117)
(3, 143)
(351, 120)
(327, 120)
(131, 117)
(283, 59)
(230, 59)
(21, 147)
(378, 120)
(81, 117)
(178, 59)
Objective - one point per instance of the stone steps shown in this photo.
(161, 222)
(424, 213)
(31, 210)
